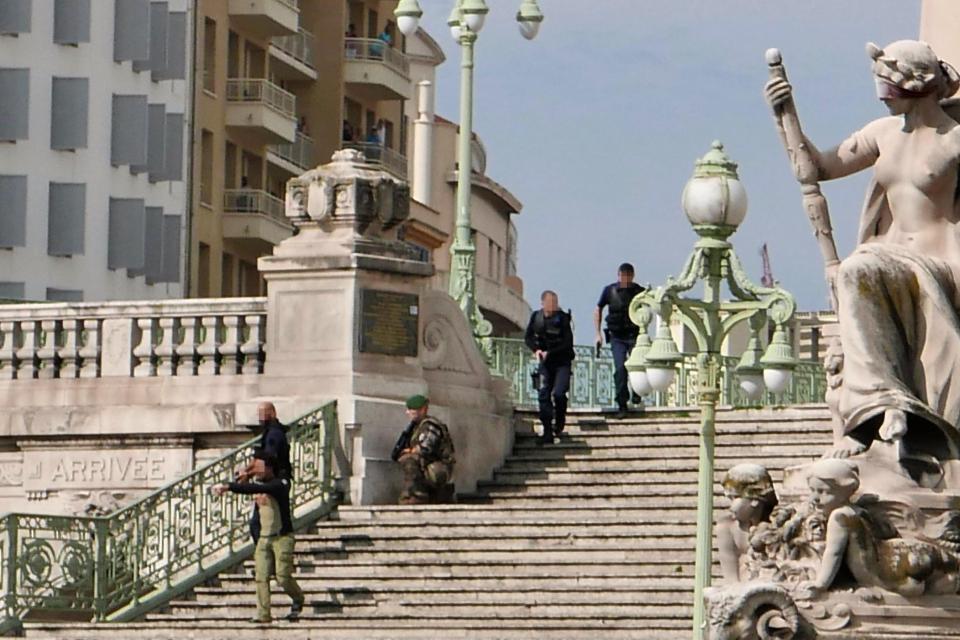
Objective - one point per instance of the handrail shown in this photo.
(118, 567)
(592, 383)
(376, 153)
(262, 91)
(253, 201)
(376, 49)
(299, 46)
(299, 152)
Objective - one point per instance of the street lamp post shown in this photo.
(715, 203)
(465, 22)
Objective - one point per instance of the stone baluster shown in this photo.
(252, 347)
(27, 362)
(67, 350)
(89, 342)
(207, 350)
(230, 349)
(187, 340)
(166, 350)
(9, 334)
(47, 362)
(145, 363)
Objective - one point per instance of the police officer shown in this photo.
(550, 337)
(425, 453)
(621, 333)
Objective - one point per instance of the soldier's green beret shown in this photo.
(417, 402)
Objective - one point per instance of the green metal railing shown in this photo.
(118, 567)
(592, 385)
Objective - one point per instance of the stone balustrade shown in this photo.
(133, 339)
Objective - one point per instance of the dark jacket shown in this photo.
(617, 300)
(274, 442)
(278, 489)
(553, 335)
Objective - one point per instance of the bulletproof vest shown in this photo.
(549, 334)
(433, 437)
(618, 305)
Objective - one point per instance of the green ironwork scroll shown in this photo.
(592, 387)
(119, 566)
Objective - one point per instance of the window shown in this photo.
(157, 62)
(127, 234)
(156, 142)
(14, 17)
(131, 30)
(173, 148)
(128, 142)
(65, 218)
(153, 241)
(14, 104)
(176, 68)
(64, 295)
(12, 291)
(13, 211)
(170, 262)
(226, 275)
(206, 167)
(68, 113)
(71, 21)
(203, 271)
(209, 55)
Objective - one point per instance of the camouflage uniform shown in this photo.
(427, 461)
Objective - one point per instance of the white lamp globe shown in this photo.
(639, 383)
(752, 385)
(474, 21)
(407, 25)
(777, 379)
(529, 29)
(455, 31)
(660, 378)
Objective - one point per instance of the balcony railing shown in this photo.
(592, 382)
(375, 153)
(299, 46)
(374, 49)
(262, 91)
(299, 153)
(253, 201)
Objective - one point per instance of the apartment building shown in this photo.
(93, 115)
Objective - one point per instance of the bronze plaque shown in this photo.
(389, 322)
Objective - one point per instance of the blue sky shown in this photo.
(596, 124)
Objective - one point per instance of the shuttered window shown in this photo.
(66, 218)
(157, 62)
(127, 233)
(71, 21)
(128, 140)
(68, 113)
(14, 17)
(173, 148)
(64, 295)
(176, 46)
(13, 211)
(14, 104)
(170, 271)
(12, 291)
(131, 30)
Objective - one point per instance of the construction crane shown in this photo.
(767, 278)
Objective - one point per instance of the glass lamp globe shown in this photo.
(777, 379)
(407, 25)
(474, 21)
(639, 383)
(529, 29)
(660, 378)
(752, 385)
(714, 195)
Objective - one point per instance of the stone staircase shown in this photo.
(589, 538)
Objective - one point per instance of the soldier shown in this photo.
(274, 551)
(425, 453)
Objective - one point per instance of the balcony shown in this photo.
(294, 158)
(374, 70)
(388, 159)
(261, 111)
(293, 56)
(253, 215)
(265, 18)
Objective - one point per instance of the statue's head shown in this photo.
(750, 491)
(910, 69)
(832, 482)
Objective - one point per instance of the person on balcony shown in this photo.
(550, 336)
(348, 134)
(372, 147)
(425, 453)
(274, 550)
(621, 333)
(377, 46)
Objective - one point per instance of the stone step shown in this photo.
(485, 544)
(534, 513)
(507, 478)
(373, 628)
(351, 533)
(345, 581)
(685, 442)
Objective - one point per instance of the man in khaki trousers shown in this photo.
(275, 547)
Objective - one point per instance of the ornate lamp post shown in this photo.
(466, 20)
(715, 203)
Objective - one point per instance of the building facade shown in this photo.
(93, 120)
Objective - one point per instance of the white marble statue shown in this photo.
(896, 294)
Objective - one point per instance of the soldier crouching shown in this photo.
(425, 453)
